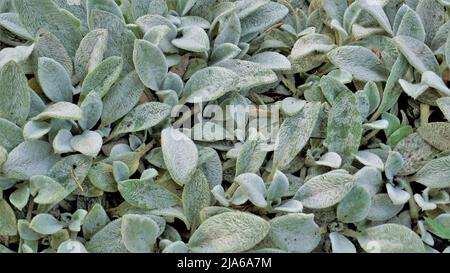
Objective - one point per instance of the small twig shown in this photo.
(148, 147)
(274, 27)
(375, 116)
(109, 138)
(350, 233)
(445, 208)
(369, 136)
(72, 174)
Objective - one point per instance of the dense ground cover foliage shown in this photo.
(224, 126)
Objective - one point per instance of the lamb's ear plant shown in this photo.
(224, 126)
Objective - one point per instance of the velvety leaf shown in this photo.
(104, 5)
(122, 97)
(229, 232)
(54, 80)
(291, 206)
(295, 232)
(325, 190)
(25, 232)
(180, 155)
(102, 77)
(330, 159)
(250, 75)
(262, 18)
(47, 190)
(294, 134)
(120, 171)
(61, 142)
(35, 129)
(89, 143)
(150, 64)
(108, 239)
(433, 80)
(209, 84)
(28, 159)
(278, 187)
(147, 194)
(432, 14)
(211, 166)
(444, 105)
(411, 25)
(370, 178)
(390, 238)
(8, 224)
(18, 54)
(142, 117)
(416, 152)
(397, 195)
(196, 196)
(90, 52)
(230, 31)
(61, 110)
(435, 174)
(331, 88)
(139, 233)
(376, 10)
(101, 177)
(184, 6)
(36, 14)
(383, 208)
(142, 7)
(71, 246)
(436, 134)
(417, 53)
(370, 159)
(344, 128)
(253, 187)
(14, 94)
(194, 39)
(94, 221)
(45, 223)
(92, 107)
(10, 134)
(272, 60)
(77, 220)
(340, 244)
(394, 164)
(361, 62)
(355, 206)
(48, 45)
(310, 51)
(120, 38)
(71, 171)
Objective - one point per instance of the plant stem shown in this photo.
(424, 114)
(369, 136)
(272, 173)
(323, 230)
(413, 208)
(350, 233)
(230, 191)
(30, 210)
